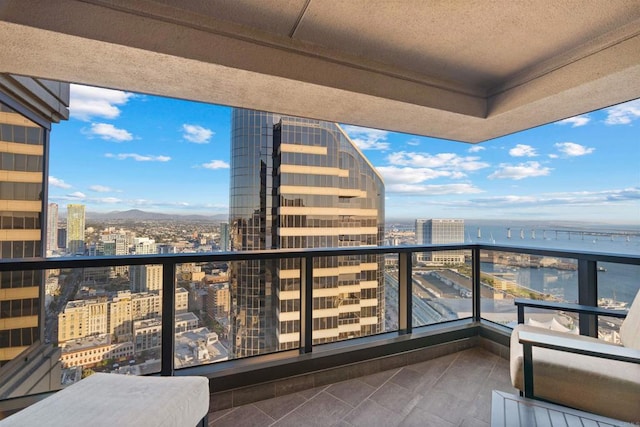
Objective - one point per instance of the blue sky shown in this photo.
(123, 151)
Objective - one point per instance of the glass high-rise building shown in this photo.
(224, 237)
(440, 231)
(21, 178)
(52, 228)
(28, 107)
(75, 229)
(300, 183)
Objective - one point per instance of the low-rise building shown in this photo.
(90, 351)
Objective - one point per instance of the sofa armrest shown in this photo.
(605, 351)
(574, 308)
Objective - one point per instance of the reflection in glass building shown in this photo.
(21, 159)
(28, 363)
(299, 183)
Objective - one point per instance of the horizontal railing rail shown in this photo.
(38, 263)
(587, 278)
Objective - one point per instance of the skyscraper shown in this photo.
(75, 229)
(299, 183)
(224, 237)
(440, 231)
(27, 109)
(21, 177)
(52, 228)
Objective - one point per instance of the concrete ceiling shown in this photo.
(467, 70)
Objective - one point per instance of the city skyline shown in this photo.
(122, 151)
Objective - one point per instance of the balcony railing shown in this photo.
(409, 290)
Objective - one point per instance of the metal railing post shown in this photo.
(168, 318)
(405, 294)
(527, 354)
(306, 304)
(588, 295)
(475, 280)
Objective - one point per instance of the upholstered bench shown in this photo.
(121, 400)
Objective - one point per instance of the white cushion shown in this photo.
(592, 384)
(120, 400)
(553, 325)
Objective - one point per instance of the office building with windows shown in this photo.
(299, 183)
(21, 178)
(146, 278)
(440, 231)
(75, 229)
(28, 107)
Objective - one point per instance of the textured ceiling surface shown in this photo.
(466, 70)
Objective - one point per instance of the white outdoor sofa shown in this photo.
(578, 371)
(121, 400)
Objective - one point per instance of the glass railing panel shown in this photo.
(509, 275)
(254, 309)
(348, 297)
(618, 285)
(441, 286)
(21, 334)
(391, 293)
(202, 318)
(108, 320)
(95, 319)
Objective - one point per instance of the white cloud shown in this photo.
(138, 157)
(109, 132)
(446, 161)
(107, 200)
(623, 114)
(55, 182)
(216, 164)
(366, 138)
(197, 134)
(432, 190)
(476, 149)
(77, 195)
(87, 102)
(581, 198)
(101, 189)
(553, 156)
(520, 171)
(394, 174)
(575, 121)
(414, 142)
(522, 150)
(572, 149)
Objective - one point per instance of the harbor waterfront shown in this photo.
(616, 282)
(441, 293)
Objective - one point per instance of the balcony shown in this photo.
(471, 76)
(465, 319)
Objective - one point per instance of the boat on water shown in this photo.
(612, 304)
(602, 269)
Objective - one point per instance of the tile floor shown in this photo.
(453, 390)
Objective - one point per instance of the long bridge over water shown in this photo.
(554, 233)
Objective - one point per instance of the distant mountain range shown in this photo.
(138, 215)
